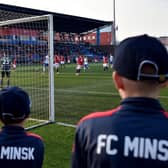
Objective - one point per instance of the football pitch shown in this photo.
(75, 96)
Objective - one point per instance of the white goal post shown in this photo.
(28, 42)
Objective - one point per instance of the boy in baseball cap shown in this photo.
(142, 58)
(135, 133)
(18, 148)
(14, 105)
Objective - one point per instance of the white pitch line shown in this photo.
(34, 119)
(67, 125)
(78, 91)
(95, 92)
(86, 92)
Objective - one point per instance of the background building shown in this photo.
(102, 36)
(164, 40)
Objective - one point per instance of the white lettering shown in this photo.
(150, 148)
(17, 153)
(111, 138)
(141, 147)
(136, 147)
(131, 146)
(31, 156)
(146, 148)
(101, 143)
(11, 153)
(105, 141)
(24, 153)
(5, 152)
(163, 146)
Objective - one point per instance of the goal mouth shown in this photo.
(26, 42)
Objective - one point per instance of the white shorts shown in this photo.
(105, 65)
(62, 62)
(56, 65)
(14, 66)
(78, 67)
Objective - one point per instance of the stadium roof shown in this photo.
(62, 22)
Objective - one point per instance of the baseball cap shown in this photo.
(142, 57)
(14, 104)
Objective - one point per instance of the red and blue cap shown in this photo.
(142, 58)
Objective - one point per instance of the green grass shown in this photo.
(58, 145)
(75, 96)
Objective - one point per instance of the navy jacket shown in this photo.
(20, 149)
(134, 135)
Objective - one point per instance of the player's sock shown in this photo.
(77, 71)
(1, 83)
(8, 83)
(43, 68)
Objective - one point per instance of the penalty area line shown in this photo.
(66, 125)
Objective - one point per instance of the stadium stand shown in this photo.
(67, 33)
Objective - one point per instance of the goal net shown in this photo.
(28, 45)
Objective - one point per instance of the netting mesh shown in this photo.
(28, 43)
(25, 46)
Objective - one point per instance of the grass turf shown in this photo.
(58, 145)
(75, 96)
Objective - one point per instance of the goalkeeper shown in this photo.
(5, 69)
